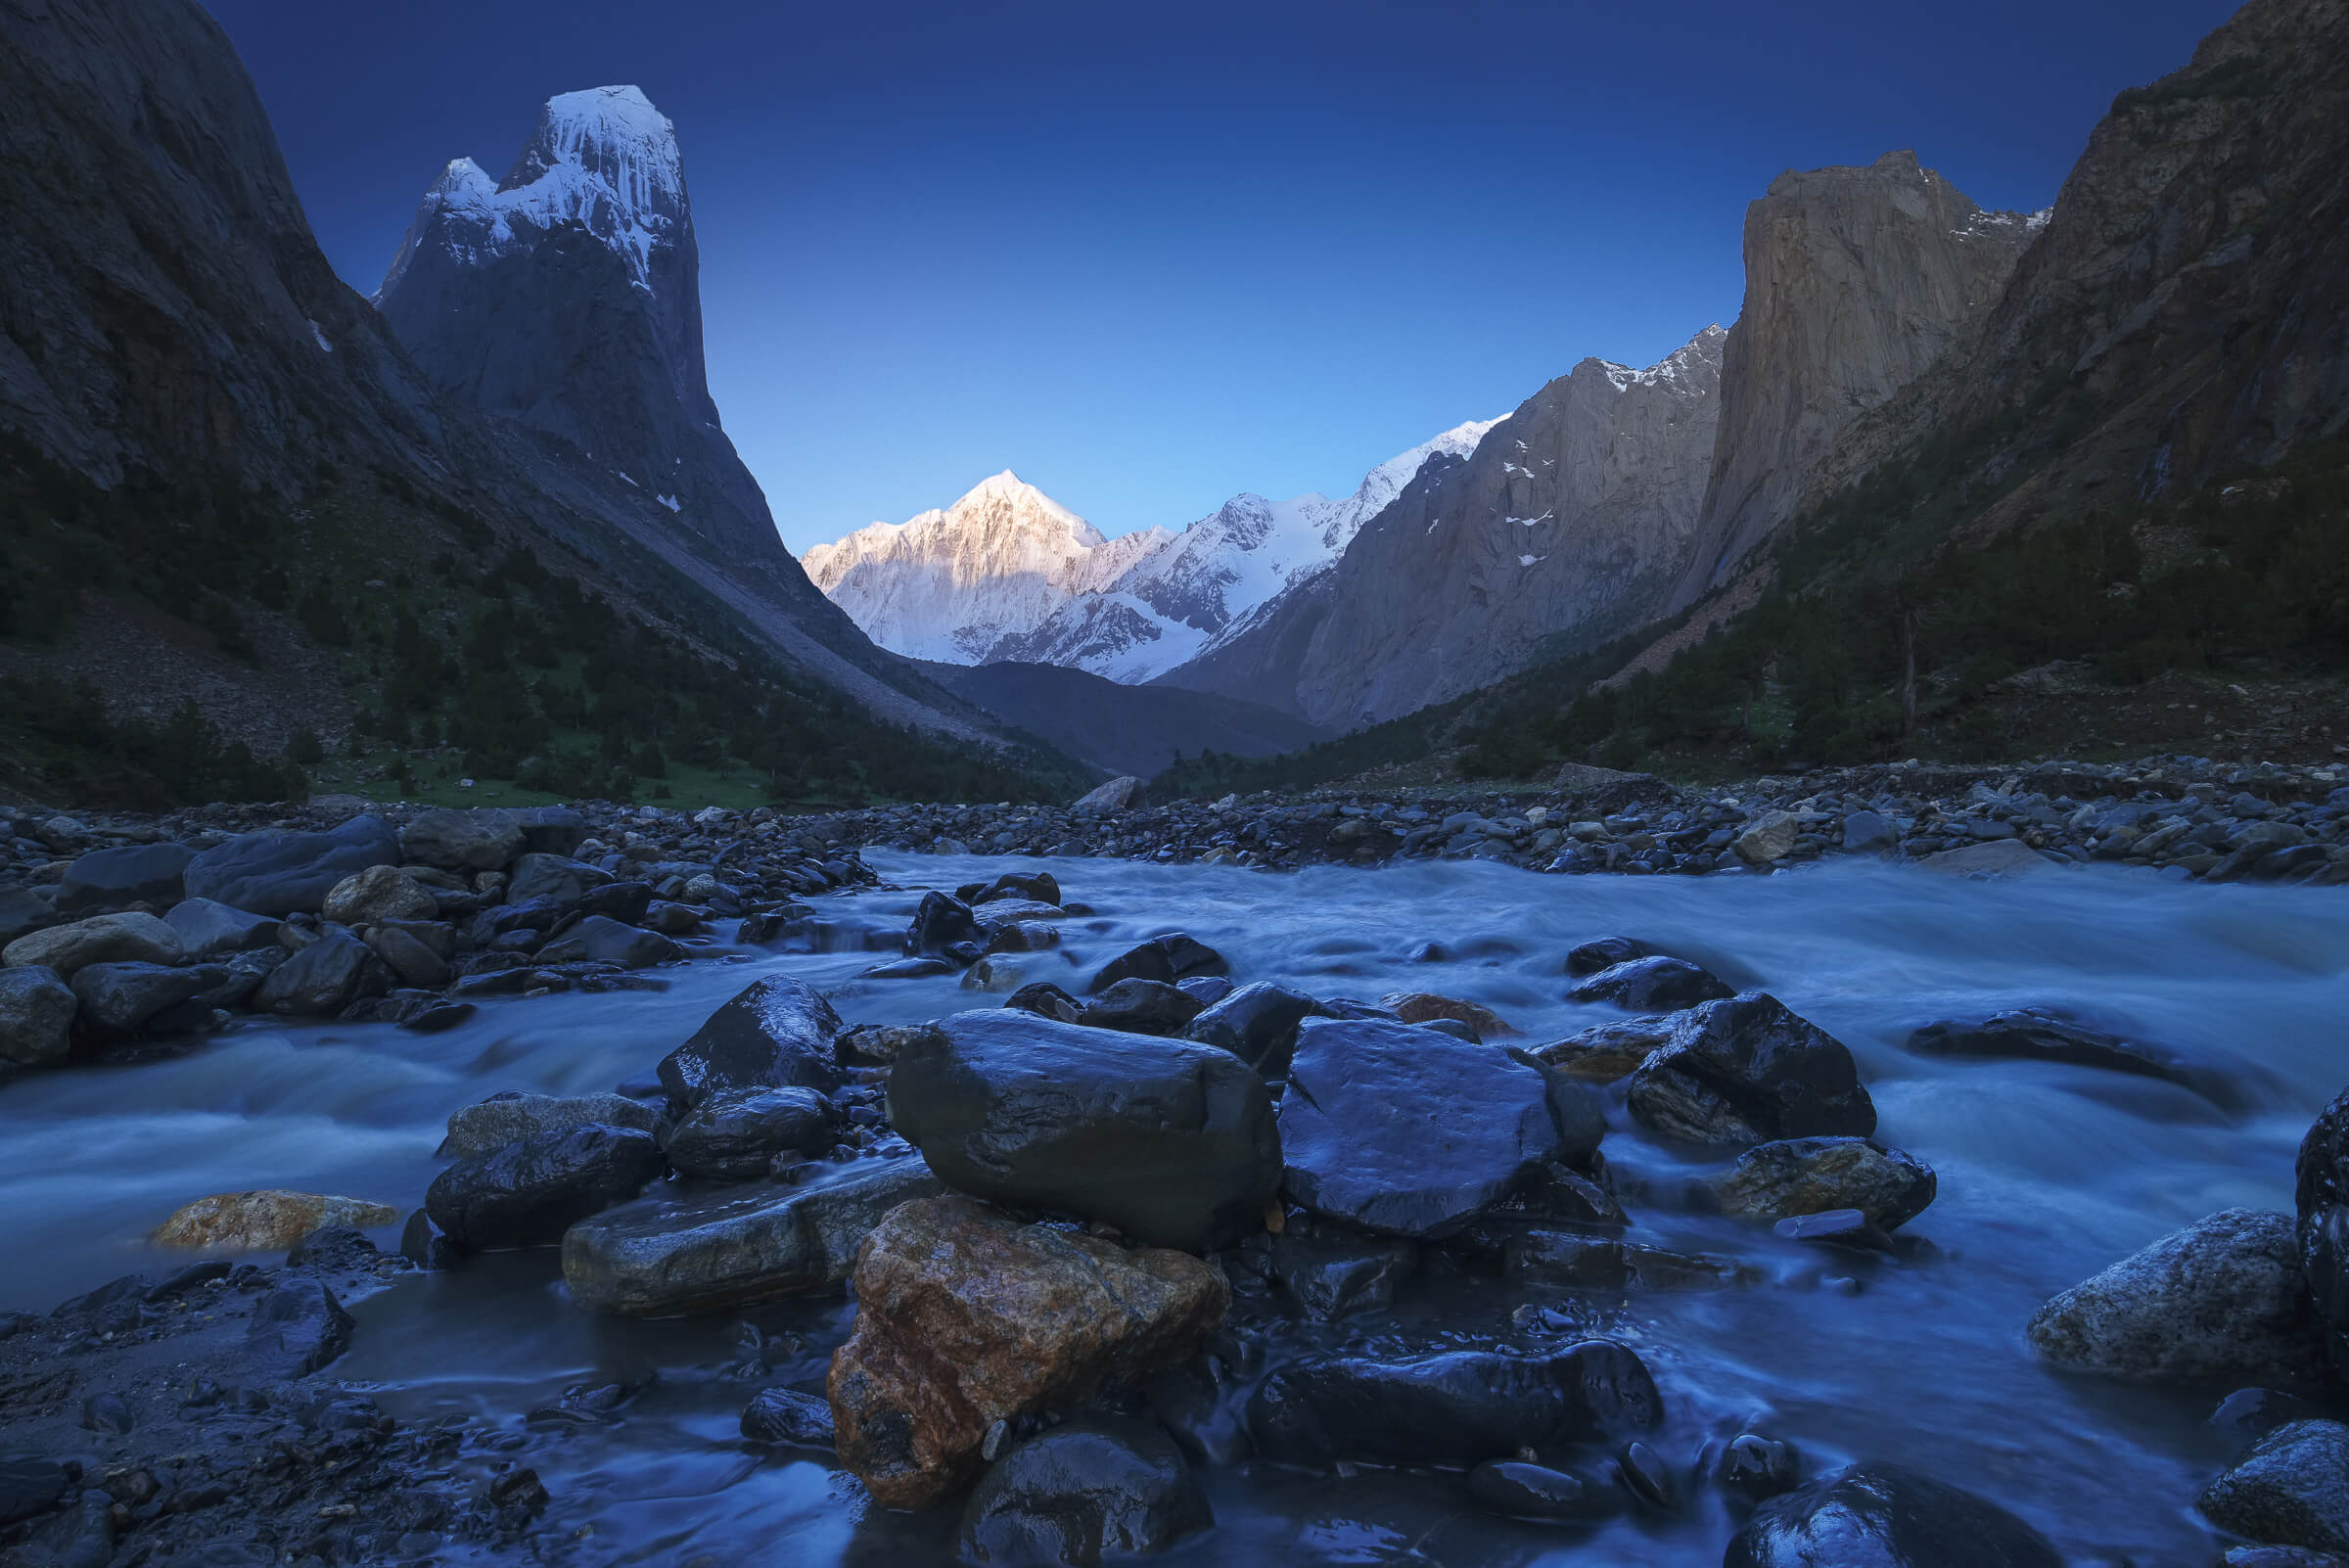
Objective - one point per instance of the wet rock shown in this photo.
(1170, 1141)
(2000, 857)
(379, 893)
(1605, 952)
(1757, 1468)
(296, 1328)
(1426, 1007)
(776, 1033)
(266, 1220)
(787, 1415)
(1651, 985)
(1847, 1228)
(529, 1192)
(2280, 1557)
(513, 1115)
(283, 873)
(2040, 1034)
(2293, 1490)
(876, 1044)
(598, 939)
(136, 939)
(117, 1000)
(1406, 1131)
(965, 1318)
(1167, 959)
(29, 1485)
(2248, 1412)
(987, 974)
(1559, 1193)
(1749, 1071)
(1124, 794)
(1811, 1176)
(1037, 887)
(422, 1243)
(1605, 1052)
(2223, 1298)
(910, 969)
(36, 1016)
(463, 841)
(943, 926)
(323, 979)
(1639, 1472)
(2322, 1202)
(1516, 1490)
(666, 1257)
(1046, 1001)
(555, 879)
(1330, 1274)
(1605, 1264)
(1883, 1516)
(1141, 1007)
(207, 929)
(116, 879)
(1257, 1022)
(1097, 1488)
(738, 1134)
(1457, 1408)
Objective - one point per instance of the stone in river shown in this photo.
(787, 1415)
(1517, 1490)
(1172, 1142)
(1810, 1176)
(129, 938)
(117, 1000)
(2291, 1490)
(1169, 958)
(323, 979)
(1877, 1515)
(2040, 1034)
(1330, 1274)
(1454, 1407)
(528, 1193)
(943, 926)
(739, 1134)
(503, 1118)
(1605, 952)
(2000, 857)
(1426, 1007)
(1093, 1489)
(116, 879)
(665, 1256)
(2322, 1229)
(1651, 985)
(1046, 1001)
(774, 1034)
(1406, 1131)
(966, 1318)
(36, 1016)
(2225, 1296)
(1605, 1052)
(1257, 1022)
(284, 873)
(1141, 1007)
(266, 1220)
(1757, 1468)
(1748, 1070)
(598, 939)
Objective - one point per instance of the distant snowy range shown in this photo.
(1008, 574)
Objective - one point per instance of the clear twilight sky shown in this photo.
(1149, 256)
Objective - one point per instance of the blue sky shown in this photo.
(1149, 256)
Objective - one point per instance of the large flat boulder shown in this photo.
(208, 928)
(965, 1317)
(1748, 1070)
(107, 938)
(1405, 1130)
(773, 1033)
(667, 1257)
(285, 873)
(115, 879)
(1170, 1141)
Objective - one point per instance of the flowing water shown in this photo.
(2047, 1175)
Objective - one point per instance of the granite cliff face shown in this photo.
(1857, 282)
(1571, 517)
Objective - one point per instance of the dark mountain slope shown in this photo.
(1124, 729)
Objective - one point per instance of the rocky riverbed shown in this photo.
(1020, 1208)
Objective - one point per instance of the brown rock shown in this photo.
(1420, 1006)
(267, 1220)
(965, 1317)
(1607, 1051)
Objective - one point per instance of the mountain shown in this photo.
(1574, 515)
(1136, 731)
(219, 466)
(1007, 573)
(1858, 281)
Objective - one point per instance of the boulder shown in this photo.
(1124, 794)
(1749, 1071)
(787, 1415)
(282, 873)
(1651, 985)
(267, 1220)
(997, 975)
(1999, 857)
(739, 1134)
(36, 1016)
(117, 1000)
(1037, 887)
(1170, 1141)
(665, 1256)
(1870, 833)
(554, 878)
(1046, 1001)
(1406, 1131)
(2223, 1298)
(107, 939)
(556, 830)
(323, 979)
(1258, 1024)
(295, 1329)
(2323, 1205)
(29, 1485)
(2291, 1490)
(1605, 1052)
(1329, 1273)
(1769, 838)
(1605, 952)
(1141, 1007)
(116, 879)
(942, 926)
(377, 894)
(965, 1318)
(774, 1034)
(22, 913)
(1167, 959)
(1583, 1261)
(529, 1192)
(463, 841)
(1426, 1007)
(415, 963)
(1810, 1176)
(2041, 1035)
(1453, 1409)
(511, 1116)
(601, 940)
(207, 929)
(1097, 1488)
(627, 902)
(1883, 1516)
